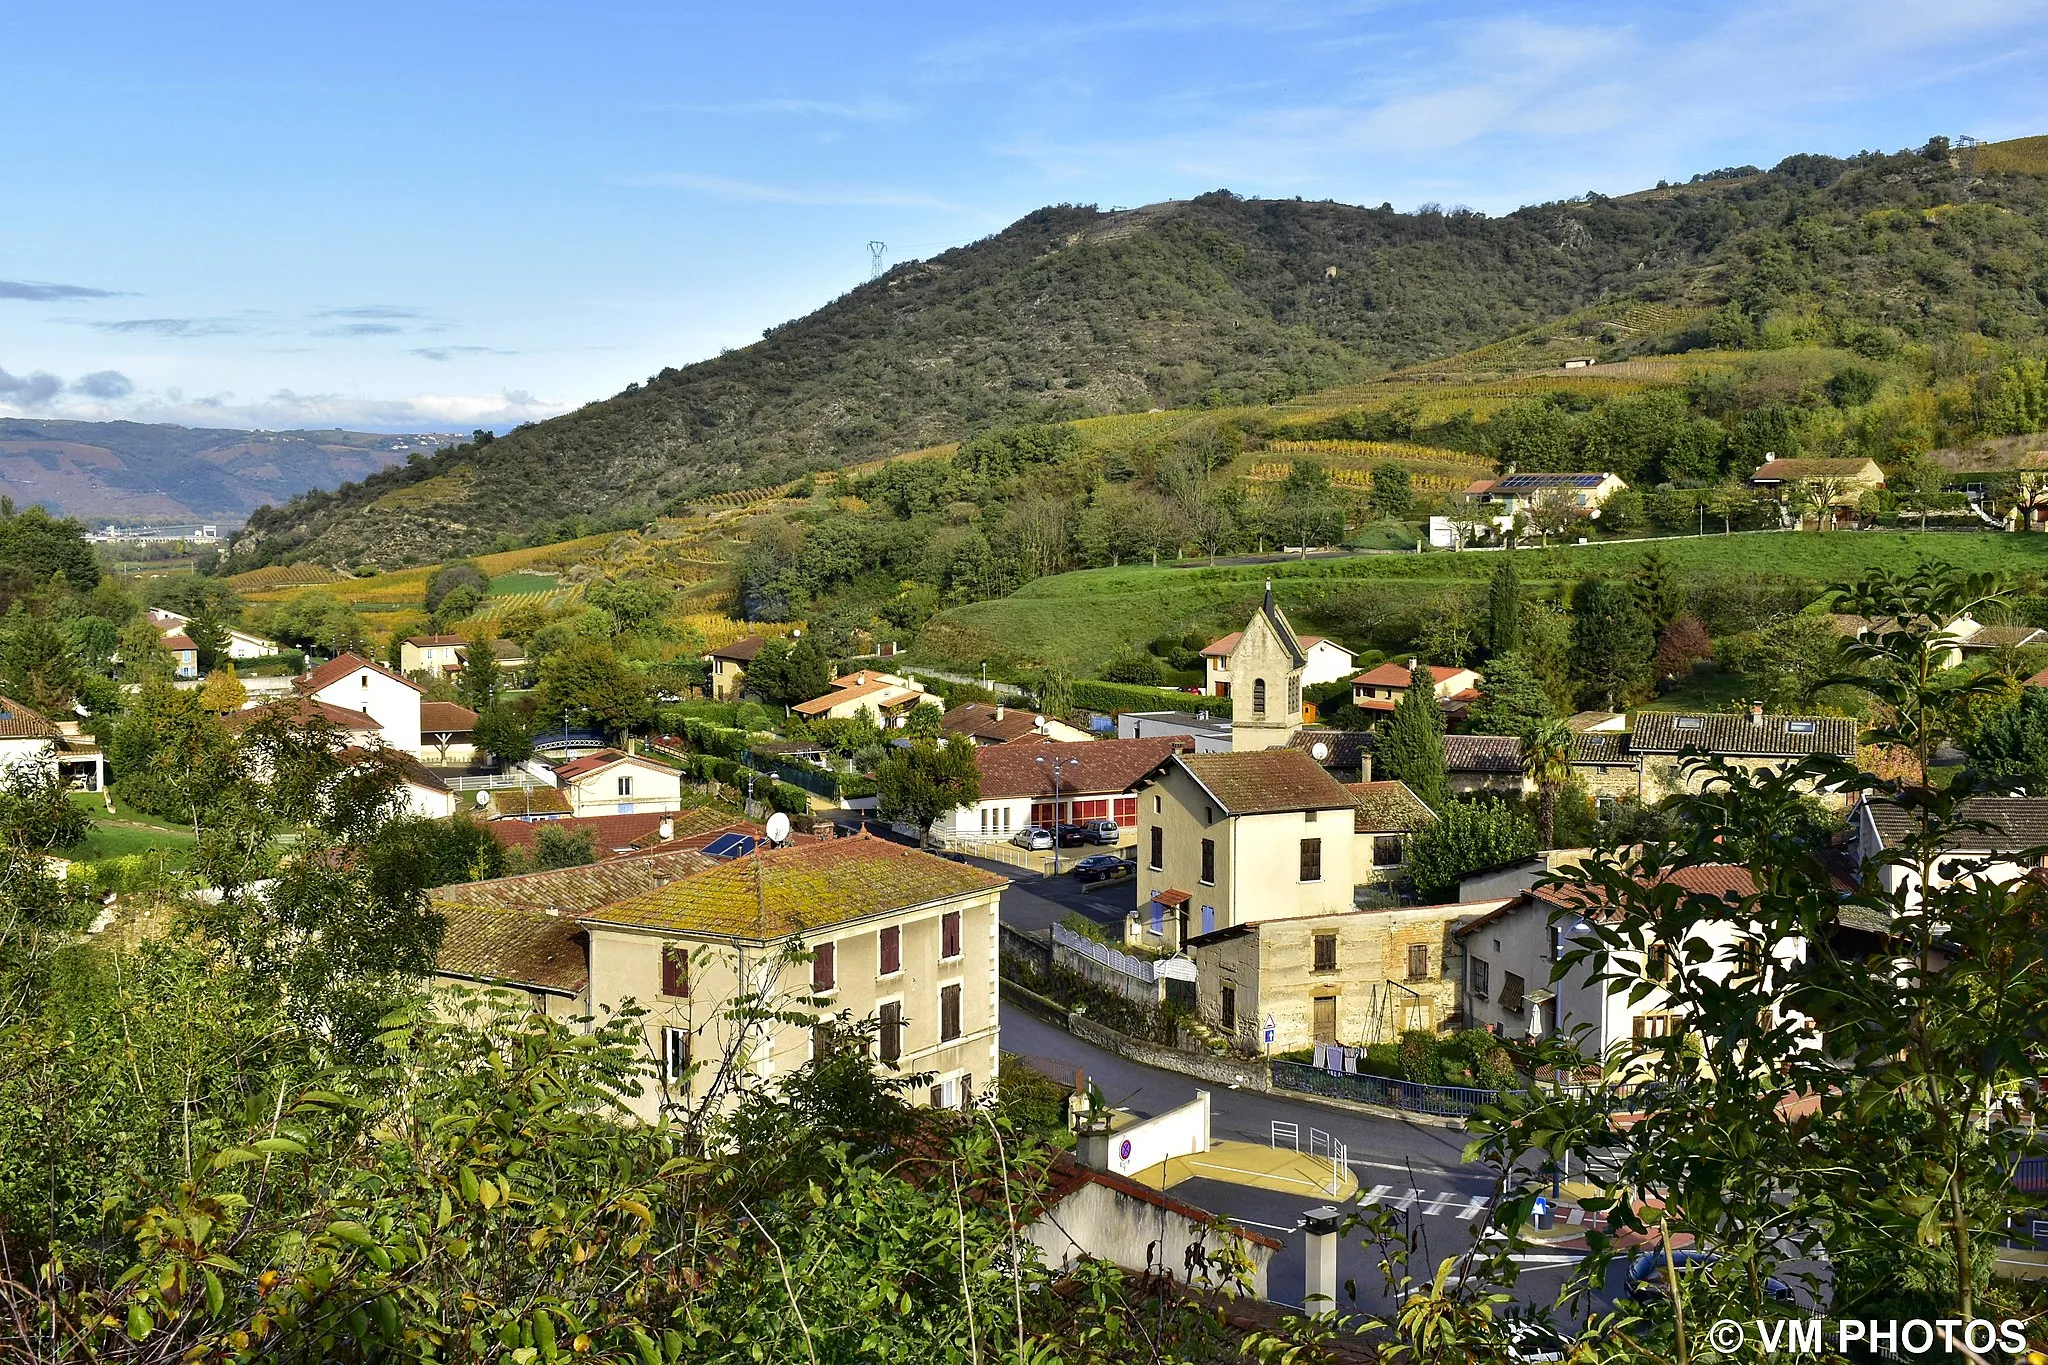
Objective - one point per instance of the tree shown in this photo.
(1504, 607)
(37, 814)
(209, 638)
(2011, 744)
(477, 685)
(1466, 837)
(222, 692)
(586, 682)
(554, 846)
(500, 733)
(1553, 513)
(1611, 642)
(1547, 758)
(786, 674)
(36, 548)
(1410, 743)
(451, 577)
(1124, 523)
(38, 666)
(1393, 490)
(1306, 512)
(1683, 646)
(1819, 497)
(925, 779)
(1659, 594)
(1789, 661)
(1512, 700)
(1053, 688)
(635, 604)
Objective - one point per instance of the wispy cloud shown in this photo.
(360, 329)
(851, 111)
(450, 352)
(373, 312)
(173, 327)
(820, 196)
(46, 293)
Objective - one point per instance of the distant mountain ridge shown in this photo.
(1221, 300)
(129, 471)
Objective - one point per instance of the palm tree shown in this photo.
(1547, 757)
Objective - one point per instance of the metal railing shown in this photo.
(1444, 1101)
(1320, 1144)
(1118, 971)
(2030, 1175)
(491, 782)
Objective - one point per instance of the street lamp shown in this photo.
(1056, 765)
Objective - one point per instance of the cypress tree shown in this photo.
(1504, 608)
(1410, 742)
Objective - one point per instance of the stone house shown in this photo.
(1385, 816)
(1753, 742)
(1355, 977)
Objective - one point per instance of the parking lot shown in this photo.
(1036, 900)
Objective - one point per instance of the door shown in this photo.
(1326, 1019)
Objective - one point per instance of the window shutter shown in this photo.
(949, 934)
(889, 1043)
(1418, 961)
(949, 1013)
(891, 950)
(824, 967)
(1326, 952)
(1311, 860)
(675, 972)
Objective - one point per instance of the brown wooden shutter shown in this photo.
(1311, 860)
(891, 951)
(825, 967)
(675, 972)
(1418, 961)
(949, 1013)
(949, 934)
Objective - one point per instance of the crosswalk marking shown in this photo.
(1473, 1209)
(1374, 1196)
(1464, 1207)
(1407, 1201)
(1437, 1205)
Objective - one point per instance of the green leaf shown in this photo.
(215, 1295)
(232, 1156)
(280, 1146)
(465, 1180)
(139, 1323)
(352, 1232)
(544, 1334)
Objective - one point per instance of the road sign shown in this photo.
(1269, 1030)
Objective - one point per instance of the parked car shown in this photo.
(1104, 832)
(1101, 867)
(1646, 1277)
(1073, 836)
(1033, 837)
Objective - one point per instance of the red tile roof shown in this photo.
(300, 711)
(429, 641)
(582, 767)
(446, 718)
(334, 670)
(529, 949)
(1098, 767)
(24, 722)
(1265, 781)
(741, 650)
(1397, 675)
(179, 643)
(414, 771)
(977, 719)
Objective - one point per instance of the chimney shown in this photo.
(1000, 709)
(1411, 664)
(1319, 1289)
(1756, 714)
(668, 829)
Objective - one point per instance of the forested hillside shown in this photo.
(1220, 302)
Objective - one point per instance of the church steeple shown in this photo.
(1265, 673)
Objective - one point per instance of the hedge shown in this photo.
(1111, 698)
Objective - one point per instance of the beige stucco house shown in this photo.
(1358, 977)
(887, 698)
(1385, 816)
(434, 655)
(729, 666)
(1224, 839)
(611, 783)
(1379, 690)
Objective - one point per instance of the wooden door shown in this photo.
(1326, 1018)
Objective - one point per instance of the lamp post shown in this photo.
(1056, 765)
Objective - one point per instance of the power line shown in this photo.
(876, 251)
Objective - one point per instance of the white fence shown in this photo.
(1129, 976)
(1320, 1144)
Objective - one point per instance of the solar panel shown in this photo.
(731, 846)
(1551, 481)
(1688, 723)
(1799, 727)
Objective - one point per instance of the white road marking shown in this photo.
(1407, 1201)
(1376, 1194)
(1542, 1258)
(1473, 1209)
(1437, 1205)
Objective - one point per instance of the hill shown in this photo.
(140, 471)
(1221, 301)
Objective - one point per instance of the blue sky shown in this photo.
(439, 216)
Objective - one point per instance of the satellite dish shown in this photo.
(483, 798)
(778, 828)
(1039, 721)
(1319, 751)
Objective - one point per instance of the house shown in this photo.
(1513, 495)
(1514, 877)
(1381, 689)
(241, 644)
(1267, 663)
(1511, 952)
(522, 932)
(1485, 765)
(29, 739)
(1385, 816)
(1208, 734)
(1345, 754)
(1052, 784)
(1992, 639)
(1596, 722)
(2006, 849)
(185, 652)
(354, 683)
(729, 666)
(434, 655)
(425, 793)
(999, 724)
(353, 727)
(445, 727)
(1354, 976)
(1857, 476)
(1327, 662)
(614, 836)
(887, 697)
(1228, 838)
(1100, 1215)
(893, 935)
(611, 783)
(1753, 742)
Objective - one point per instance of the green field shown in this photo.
(512, 584)
(115, 840)
(1083, 617)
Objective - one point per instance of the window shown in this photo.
(1415, 1017)
(1798, 727)
(1418, 962)
(1479, 975)
(949, 1013)
(1158, 848)
(1311, 860)
(949, 934)
(675, 1054)
(984, 819)
(625, 786)
(1654, 1025)
(1308, 817)
(825, 967)
(1326, 953)
(1157, 804)
(1386, 850)
(1658, 967)
(1230, 1009)
(1749, 959)
(1208, 862)
(675, 972)
(1688, 723)
(1259, 696)
(890, 959)
(1293, 695)
(1511, 992)
(889, 1038)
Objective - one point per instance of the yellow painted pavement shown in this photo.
(1247, 1163)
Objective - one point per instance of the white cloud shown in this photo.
(283, 409)
(753, 191)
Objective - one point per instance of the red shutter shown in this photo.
(675, 972)
(949, 934)
(1126, 810)
(824, 965)
(1042, 813)
(892, 951)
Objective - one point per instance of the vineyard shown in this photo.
(1423, 480)
(281, 576)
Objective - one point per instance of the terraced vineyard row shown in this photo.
(1427, 479)
(1374, 452)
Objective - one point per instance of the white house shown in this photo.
(1509, 956)
(1328, 662)
(889, 698)
(1514, 494)
(446, 731)
(425, 794)
(242, 644)
(611, 783)
(1998, 853)
(356, 684)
